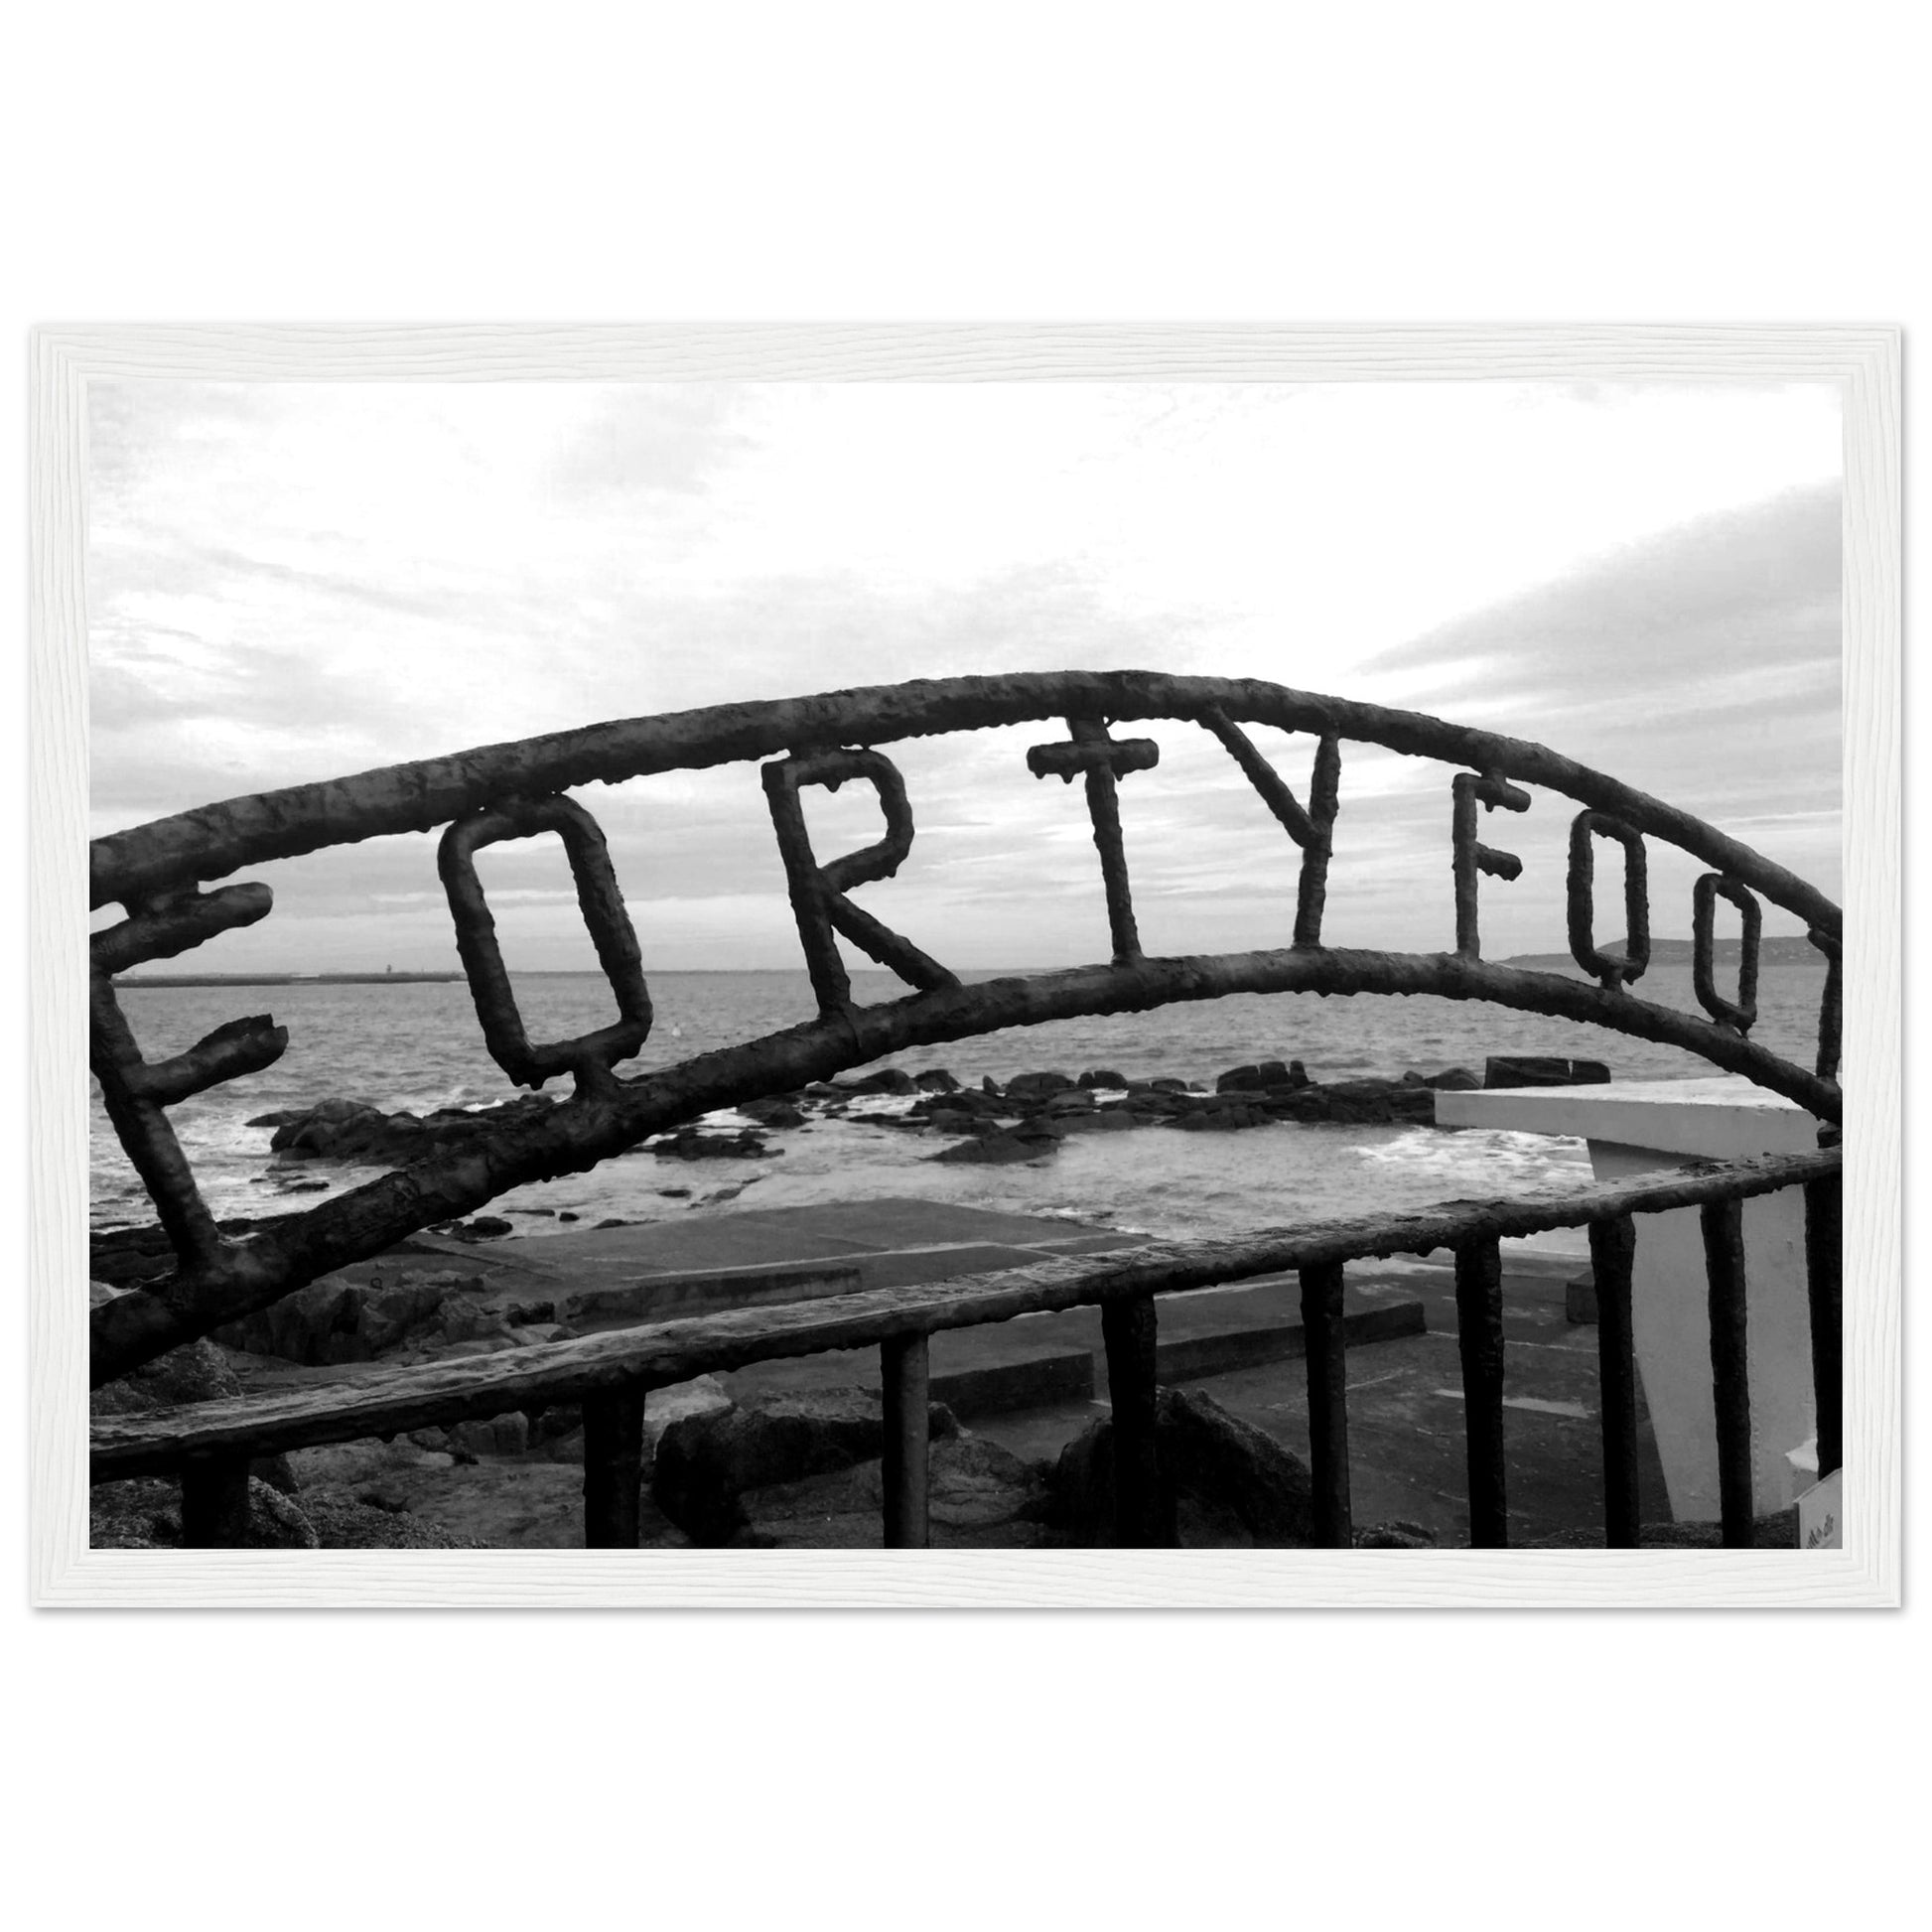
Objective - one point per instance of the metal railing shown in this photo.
(496, 792)
(210, 1444)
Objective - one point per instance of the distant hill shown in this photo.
(1787, 950)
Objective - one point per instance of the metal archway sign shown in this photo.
(155, 873)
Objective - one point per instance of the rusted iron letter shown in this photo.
(1712, 887)
(1470, 857)
(1313, 830)
(818, 893)
(590, 1057)
(1612, 972)
(1103, 759)
(136, 1092)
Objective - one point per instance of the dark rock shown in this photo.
(1265, 1073)
(334, 1322)
(935, 1079)
(565, 1215)
(1167, 1083)
(692, 1144)
(704, 1463)
(1000, 1148)
(1039, 1084)
(1456, 1080)
(487, 1227)
(1530, 1070)
(990, 1086)
(776, 1113)
(351, 1130)
(1588, 1073)
(1394, 1536)
(1103, 1077)
(278, 1472)
(505, 1435)
(615, 1221)
(146, 1515)
(1075, 1100)
(889, 1079)
(1102, 1120)
(983, 1106)
(194, 1372)
(1223, 1477)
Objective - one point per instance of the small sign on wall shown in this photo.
(1821, 1514)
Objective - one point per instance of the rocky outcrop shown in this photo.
(145, 1514)
(1224, 1482)
(1037, 1085)
(704, 1463)
(353, 1131)
(333, 1321)
(1536, 1070)
(698, 1144)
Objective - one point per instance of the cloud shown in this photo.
(1703, 663)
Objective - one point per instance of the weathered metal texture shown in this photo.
(1739, 1015)
(1722, 1224)
(1469, 857)
(1142, 1512)
(1327, 1357)
(215, 840)
(1479, 1341)
(819, 902)
(1831, 1008)
(389, 1401)
(510, 792)
(1615, 970)
(905, 1376)
(589, 1056)
(1824, 1279)
(1102, 761)
(1612, 1250)
(1313, 830)
(613, 1466)
(250, 1273)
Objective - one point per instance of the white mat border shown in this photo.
(1861, 359)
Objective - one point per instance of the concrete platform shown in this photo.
(1034, 1383)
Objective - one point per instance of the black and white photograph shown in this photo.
(966, 966)
(970, 966)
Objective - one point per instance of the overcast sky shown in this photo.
(292, 581)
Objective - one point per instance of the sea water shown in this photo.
(418, 1046)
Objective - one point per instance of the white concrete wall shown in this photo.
(1642, 1127)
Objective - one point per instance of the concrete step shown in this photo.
(1217, 1351)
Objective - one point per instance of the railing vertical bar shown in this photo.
(613, 1467)
(1613, 1249)
(214, 1505)
(1824, 1279)
(1480, 1339)
(905, 1363)
(1130, 1330)
(1724, 1267)
(1322, 1325)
